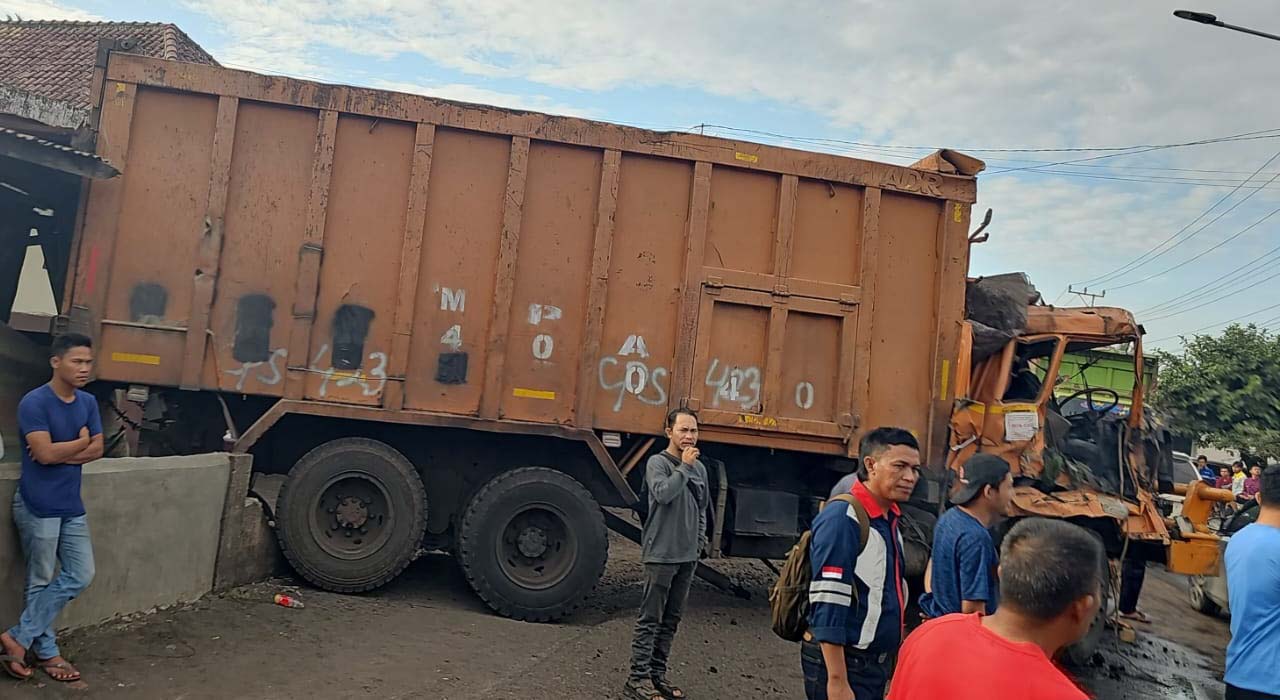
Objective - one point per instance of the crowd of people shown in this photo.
(1244, 486)
(995, 618)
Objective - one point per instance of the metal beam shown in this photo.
(26, 147)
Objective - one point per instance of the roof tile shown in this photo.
(55, 59)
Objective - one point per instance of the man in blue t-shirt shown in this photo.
(1253, 585)
(61, 430)
(1207, 473)
(962, 573)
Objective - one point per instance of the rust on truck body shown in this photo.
(403, 258)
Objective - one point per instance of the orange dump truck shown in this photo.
(457, 326)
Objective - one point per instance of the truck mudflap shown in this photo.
(1139, 521)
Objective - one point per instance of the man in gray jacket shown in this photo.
(674, 535)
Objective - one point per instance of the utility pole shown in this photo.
(1090, 299)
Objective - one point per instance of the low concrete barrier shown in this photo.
(163, 528)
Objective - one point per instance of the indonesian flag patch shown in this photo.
(832, 572)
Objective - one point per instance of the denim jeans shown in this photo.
(47, 543)
(868, 673)
(666, 590)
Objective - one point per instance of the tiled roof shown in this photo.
(55, 59)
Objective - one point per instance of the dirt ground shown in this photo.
(426, 636)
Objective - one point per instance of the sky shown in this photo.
(1091, 116)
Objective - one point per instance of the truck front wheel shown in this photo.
(351, 515)
(532, 544)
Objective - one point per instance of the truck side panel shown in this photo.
(553, 265)
(903, 349)
(633, 374)
(364, 225)
(265, 223)
(361, 247)
(161, 219)
(455, 284)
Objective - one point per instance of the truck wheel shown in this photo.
(532, 544)
(1200, 600)
(351, 515)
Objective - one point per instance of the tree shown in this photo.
(1225, 390)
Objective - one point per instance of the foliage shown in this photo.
(1225, 390)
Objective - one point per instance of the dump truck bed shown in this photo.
(283, 238)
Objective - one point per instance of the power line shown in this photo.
(1245, 136)
(1206, 251)
(1144, 149)
(1161, 180)
(1221, 323)
(1146, 257)
(1217, 299)
(1216, 284)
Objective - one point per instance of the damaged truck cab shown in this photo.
(1083, 457)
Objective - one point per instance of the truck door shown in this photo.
(779, 305)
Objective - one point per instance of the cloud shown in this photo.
(43, 9)
(1000, 71)
(969, 75)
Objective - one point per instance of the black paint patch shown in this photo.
(451, 368)
(147, 302)
(350, 328)
(253, 328)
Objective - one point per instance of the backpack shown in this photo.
(789, 597)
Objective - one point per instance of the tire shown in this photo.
(1199, 599)
(532, 544)
(351, 515)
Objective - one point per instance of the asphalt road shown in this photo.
(426, 636)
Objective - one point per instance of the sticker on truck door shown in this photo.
(1021, 422)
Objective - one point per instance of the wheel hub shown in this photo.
(532, 542)
(351, 513)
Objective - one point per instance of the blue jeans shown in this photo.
(868, 673)
(46, 543)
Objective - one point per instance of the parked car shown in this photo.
(1208, 594)
(1184, 472)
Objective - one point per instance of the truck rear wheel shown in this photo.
(532, 544)
(351, 515)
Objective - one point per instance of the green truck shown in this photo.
(1106, 368)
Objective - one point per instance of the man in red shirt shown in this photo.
(1050, 573)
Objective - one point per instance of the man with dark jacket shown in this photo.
(674, 534)
(857, 602)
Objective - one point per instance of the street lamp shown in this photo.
(1206, 18)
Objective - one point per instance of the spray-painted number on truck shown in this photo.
(628, 372)
(736, 385)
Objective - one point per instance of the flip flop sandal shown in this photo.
(1137, 616)
(669, 690)
(6, 662)
(64, 666)
(643, 690)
